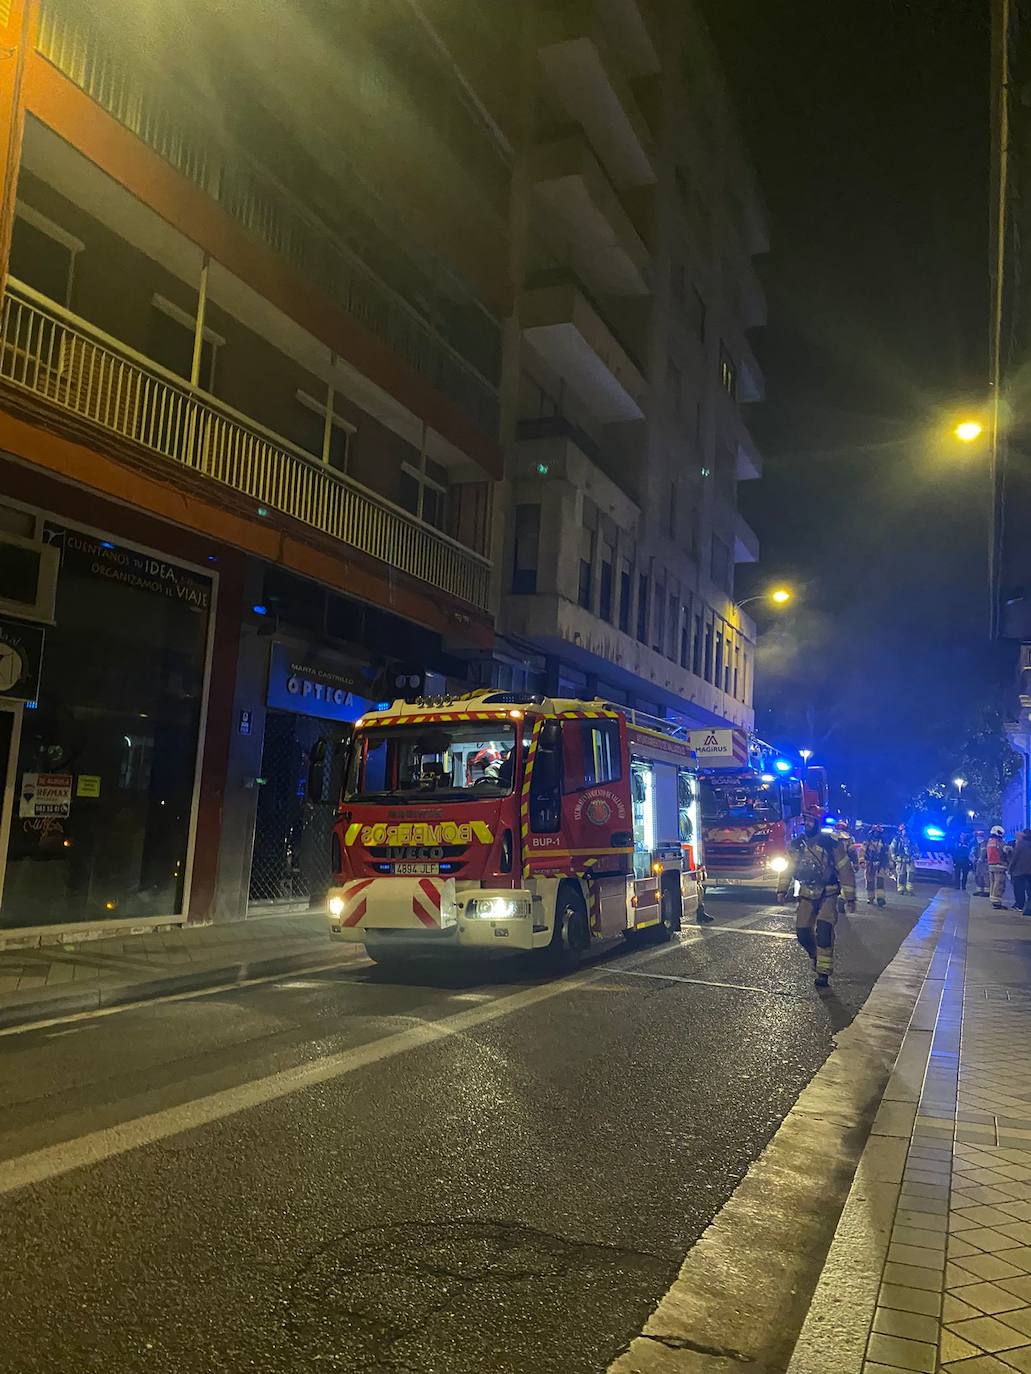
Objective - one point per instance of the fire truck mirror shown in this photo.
(551, 736)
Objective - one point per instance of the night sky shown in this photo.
(868, 125)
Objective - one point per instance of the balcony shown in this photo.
(591, 88)
(570, 335)
(581, 206)
(252, 196)
(61, 360)
(746, 542)
(749, 461)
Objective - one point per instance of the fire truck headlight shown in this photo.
(336, 906)
(778, 863)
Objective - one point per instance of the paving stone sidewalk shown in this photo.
(930, 1269)
(55, 980)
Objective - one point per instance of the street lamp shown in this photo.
(780, 596)
(968, 430)
(959, 784)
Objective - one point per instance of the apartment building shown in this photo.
(250, 351)
(643, 222)
(347, 350)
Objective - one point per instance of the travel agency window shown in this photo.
(108, 759)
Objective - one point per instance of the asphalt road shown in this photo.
(450, 1175)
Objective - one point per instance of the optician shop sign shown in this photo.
(310, 686)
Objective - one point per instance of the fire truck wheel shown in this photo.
(669, 921)
(571, 936)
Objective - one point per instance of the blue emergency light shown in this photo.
(782, 766)
(934, 832)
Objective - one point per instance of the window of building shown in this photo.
(585, 587)
(605, 583)
(707, 666)
(642, 607)
(43, 255)
(660, 618)
(719, 563)
(696, 647)
(423, 490)
(728, 373)
(525, 548)
(671, 622)
(685, 637)
(737, 668)
(674, 386)
(626, 592)
(170, 342)
(719, 658)
(328, 442)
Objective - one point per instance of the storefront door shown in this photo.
(10, 723)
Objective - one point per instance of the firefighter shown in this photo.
(998, 855)
(979, 860)
(903, 857)
(842, 833)
(875, 861)
(820, 865)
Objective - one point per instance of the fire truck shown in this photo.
(752, 803)
(498, 823)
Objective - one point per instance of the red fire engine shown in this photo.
(492, 822)
(752, 802)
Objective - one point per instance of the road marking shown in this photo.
(52, 1160)
(708, 983)
(764, 934)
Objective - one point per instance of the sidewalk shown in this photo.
(56, 980)
(930, 1269)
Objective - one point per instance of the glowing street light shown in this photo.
(968, 430)
(959, 784)
(780, 596)
(805, 755)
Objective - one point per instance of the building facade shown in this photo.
(410, 359)
(642, 221)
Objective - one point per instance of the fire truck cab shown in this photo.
(493, 823)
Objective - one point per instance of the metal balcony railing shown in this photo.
(266, 210)
(54, 355)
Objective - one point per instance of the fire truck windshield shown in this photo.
(464, 761)
(739, 802)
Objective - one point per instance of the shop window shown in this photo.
(329, 443)
(590, 753)
(526, 548)
(118, 716)
(170, 342)
(43, 255)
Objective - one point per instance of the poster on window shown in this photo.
(44, 794)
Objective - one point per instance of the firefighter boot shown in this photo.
(824, 953)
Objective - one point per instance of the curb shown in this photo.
(92, 998)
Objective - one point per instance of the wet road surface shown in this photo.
(447, 1174)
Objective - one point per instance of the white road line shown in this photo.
(53, 1160)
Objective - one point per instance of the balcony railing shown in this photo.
(64, 361)
(267, 211)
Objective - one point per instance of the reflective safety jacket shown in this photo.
(822, 867)
(875, 853)
(902, 847)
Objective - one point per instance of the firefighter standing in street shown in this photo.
(820, 865)
(979, 860)
(903, 857)
(842, 833)
(875, 860)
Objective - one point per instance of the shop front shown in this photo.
(312, 699)
(101, 723)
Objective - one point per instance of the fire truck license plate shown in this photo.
(415, 870)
